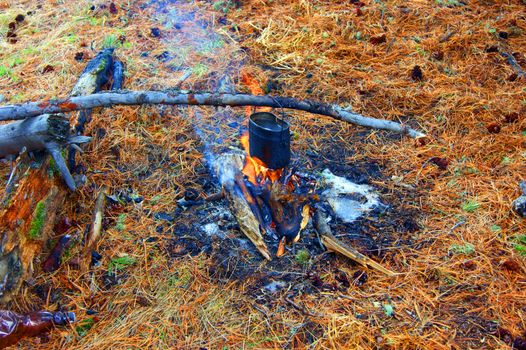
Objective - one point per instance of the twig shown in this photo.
(447, 36)
(390, 45)
(55, 151)
(14, 166)
(108, 99)
(183, 77)
(461, 222)
(215, 197)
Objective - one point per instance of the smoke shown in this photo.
(194, 45)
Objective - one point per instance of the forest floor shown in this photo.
(181, 277)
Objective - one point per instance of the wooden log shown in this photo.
(95, 75)
(44, 132)
(227, 167)
(33, 134)
(26, 223)
(28, 213)
(92, 79)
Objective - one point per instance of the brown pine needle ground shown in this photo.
(462, 281)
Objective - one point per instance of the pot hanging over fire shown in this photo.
(269, 140)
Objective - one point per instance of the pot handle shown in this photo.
(283, 115)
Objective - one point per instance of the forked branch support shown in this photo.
(108, 99)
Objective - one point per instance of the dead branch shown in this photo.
(96, 226)
(44, 132)
(333, 244)
(108, 99)
(303, 309)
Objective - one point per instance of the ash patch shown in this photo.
(348, 200)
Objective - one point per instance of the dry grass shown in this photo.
(454, 289)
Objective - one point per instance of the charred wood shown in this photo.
(227, 168)
(94, 76)
(117, 75)
(335, 245)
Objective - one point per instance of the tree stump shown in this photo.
(27, 214)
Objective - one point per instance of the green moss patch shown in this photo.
(39, 217)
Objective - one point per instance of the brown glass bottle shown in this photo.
(14, 327)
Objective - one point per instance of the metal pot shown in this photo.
(269, 140)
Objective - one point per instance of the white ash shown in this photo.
(348, 200)
(275, 286)
(244, 244)
(212, 229)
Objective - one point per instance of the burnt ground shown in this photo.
(194, 226)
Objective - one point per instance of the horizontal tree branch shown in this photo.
(108, 99)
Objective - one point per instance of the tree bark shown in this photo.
(31, 109)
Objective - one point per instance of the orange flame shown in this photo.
(255, 169)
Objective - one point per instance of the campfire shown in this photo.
(268, 202)
(281, 211)
(273, 202)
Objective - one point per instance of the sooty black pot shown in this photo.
(269, 139)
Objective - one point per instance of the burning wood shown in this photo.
(286, 212)
(290, 213)
(228, 168)
(263, 199)
(267, 196)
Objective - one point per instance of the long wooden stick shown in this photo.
(108, 99)
(96, 226)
